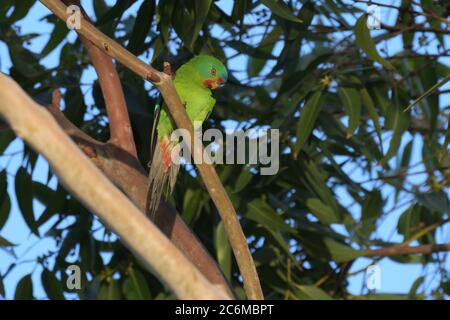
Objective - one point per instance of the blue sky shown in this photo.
(394, 277)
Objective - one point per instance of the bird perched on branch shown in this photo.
(193, 82)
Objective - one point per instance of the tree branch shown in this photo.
(127, 173)
(212, 182)
(403, 250)
(38, 128)
(118, 160)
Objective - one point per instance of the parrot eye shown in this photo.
(213, 71)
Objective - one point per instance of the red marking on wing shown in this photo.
(166, 155)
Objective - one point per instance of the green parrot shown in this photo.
(193, 81)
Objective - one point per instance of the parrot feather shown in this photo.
(193, 83)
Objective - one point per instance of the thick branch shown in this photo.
(79, 175)
(3, 126)
(212, 182)
(402, 250)
(127, 173)
(116, 107)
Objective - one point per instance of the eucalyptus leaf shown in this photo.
(366, 43)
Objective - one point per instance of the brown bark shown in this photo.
(212, 182)
(127, 173)
(85, 181)
(404, 250)
(112, 91)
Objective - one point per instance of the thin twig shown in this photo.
(210, 178)
(429, 91)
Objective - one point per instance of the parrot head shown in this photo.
(211, 71)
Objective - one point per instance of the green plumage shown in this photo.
(196, 97)
(193, 82)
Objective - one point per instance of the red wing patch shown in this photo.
(166, 155)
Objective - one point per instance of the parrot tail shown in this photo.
(163, 174)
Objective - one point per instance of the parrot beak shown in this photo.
(214, 83)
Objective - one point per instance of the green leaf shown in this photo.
(365, 42)
(408, 220)
(447, 134)
(280, 9)
(370, 107)
(6, 137)
(341, 252)
(70, 241)
(164, 14)
(158, 47)
(192, 205)
(428, 6)
(316, 181)
(223, 250)
(411, 259)
(201, 12)
(25, 63)
(5, 202)
(323, 212)
(281, 241)
(405, 19)
(58, 35)
(406, 155)
(109, 290)
(351, 100)
(307, 120)
(142, 27)
(446, 287)
(435, 201)
(371, 210)
(255, 65)
(249, 50)
(413, 221)
(399, 122)
(114, 12)
(260, 212)
(135, 286)
(2, 287)
(24, 194)
(429, 91)
(24, 289)
(298, 81)
(312, 293)
(54, 200)
(239, 10)
(243, 180)
(413, 291)
(5, 243)
(52, 285)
